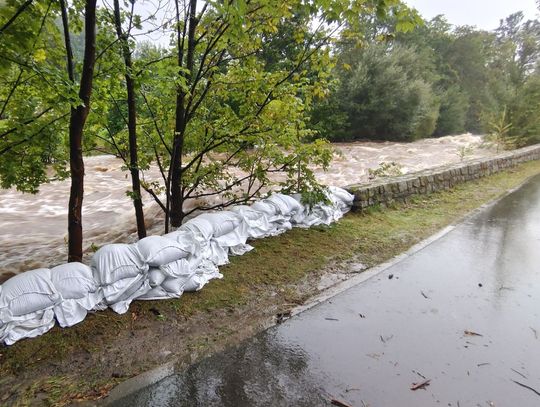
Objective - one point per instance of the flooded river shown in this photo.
(33, 228)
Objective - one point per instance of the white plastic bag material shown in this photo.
(262, 219)
(37, 324)
(80, 292)
(158, 250)
(214, 224)
(159, 293)
(344, 196)
(27, 293)
(156, 277)
(73, 280)
(115, 262)
(265, 208)
(217, 254)
(121, 293)
(180, 268)
(171, 278)
(240, 249)
(285, 204)
(185, 239)
(205, 272)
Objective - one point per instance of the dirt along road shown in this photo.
(453, 324)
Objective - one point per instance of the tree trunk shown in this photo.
(76, 125)
(177, 199)
(132, 124)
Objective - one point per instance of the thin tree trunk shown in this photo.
(132, 124)
(77, 121)
(176, 214)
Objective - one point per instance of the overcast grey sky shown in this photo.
(484, 14)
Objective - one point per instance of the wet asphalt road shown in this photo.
(462, 312)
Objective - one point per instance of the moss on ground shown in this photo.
(276, 263)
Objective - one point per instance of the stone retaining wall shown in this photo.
(385, 191)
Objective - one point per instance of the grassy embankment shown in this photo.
(276, 265)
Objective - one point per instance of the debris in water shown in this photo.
(421, 385)
(420, 374)
(424, 295)
(480, 285)
(483, 364)
(390, 277)
(363, 316)
(332, 319)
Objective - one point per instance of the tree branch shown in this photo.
(19, 11)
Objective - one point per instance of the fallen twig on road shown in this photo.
(527, 387)
(519, 373)
(421, 385)
(472, 333)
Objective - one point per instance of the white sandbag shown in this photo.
(27, 293)
(205, 272)
(262, 219)
(73, 280)
(37, 324)
(115, 262)
(213, 224)
(185, 239)
(179, 268)
(26, 305)
(175, 285)
(285, 204)
(156, 277)
(171, 277)
(343, 195)
(247, 212)
(121, 293)
(158, 250)
(80, 292)
(266, 208)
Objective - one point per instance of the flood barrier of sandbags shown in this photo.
(154, 268)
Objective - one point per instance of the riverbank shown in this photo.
(86, 361)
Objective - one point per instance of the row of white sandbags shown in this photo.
(156, 267)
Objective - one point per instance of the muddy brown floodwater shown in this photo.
(33, 228)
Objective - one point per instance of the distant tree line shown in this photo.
(435, 80)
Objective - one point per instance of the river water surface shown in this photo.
(33, 228)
